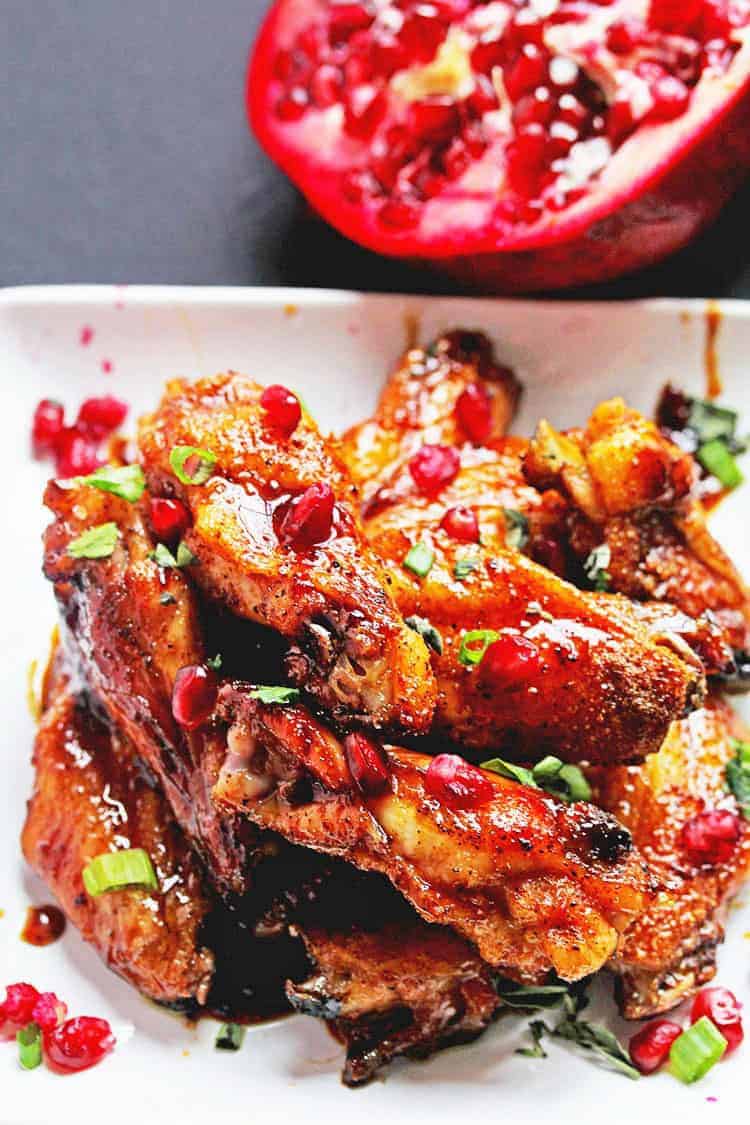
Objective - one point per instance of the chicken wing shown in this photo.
(669, 951)
(533, 883)
(352, 650)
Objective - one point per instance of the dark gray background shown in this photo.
(125, 157)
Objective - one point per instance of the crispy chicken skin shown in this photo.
(126, 646)
(669, 951)
(352, 651)
(533, 883)
(88, 798)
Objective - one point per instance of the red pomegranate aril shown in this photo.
(282, 409)
(677, 16)
(76, 454)
(358, 184)
(387, 55)
(422, 32)
(527, 72)
(399, 212)
(474, 412)
(101, 416)
(429, 183)
(292, 105)
(358, 69)
(368, 764)
(194, 695)
(433, 467)
(725, 1012)
(621, 119)
(434, 119)
(510, 660)
(537, 108)
(624, 36)
(308, 519)
(526, 27)
(456, 783)
(474, 139)
(573, 112)
(487, 54)
(720, 17)
(78, 1043)
(18, 1007)
(671, 98)
(46, 426)
(49, 1011)
(290, 64)
(170, 519)
(525, 158)
(364, 109)
(461, 524)
(326, 86)
(718, 55)
(710, 837)
(562, 137)
(649, 1047)
(346, 18)
(456, 159)
(483, 98)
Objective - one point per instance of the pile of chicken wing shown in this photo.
(305, 854)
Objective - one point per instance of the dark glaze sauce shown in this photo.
(44, 924)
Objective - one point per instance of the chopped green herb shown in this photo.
(111, 871)
(595, 566)
(229, 1037)
(536, 1050)
(474, 644)
(427, 632)
(710, 422)
(464, 567)
(516, 528)
(164, 557)
(695, 1051)
(168, 599)
(561, 779)
(716, 459)
(95, 543)
(214, 663)
(419, 560)
(125, 481)
(275, 694)
(530, 996)
(185, 556)
(510, 770)
(29, 1040)
(192, 465)
(597, 1039)
(738, 775)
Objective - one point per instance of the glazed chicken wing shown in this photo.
(324, 590)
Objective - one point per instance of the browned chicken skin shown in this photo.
(353, 650)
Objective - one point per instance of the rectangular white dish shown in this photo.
(335, 348)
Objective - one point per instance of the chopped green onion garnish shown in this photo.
(162, 556)
(716, 459)
(427, 632)
(29, 1040)
(555, 777)
(516, 528)
(464, 567)
(710, 422)
(229, 1037)
(275, 694)
(96, 543)
(511, 770)
(419, 560)
(596, 564)
(474, 644)
(214, 663)
(125, 481)
(185, 556)
(111, 871)
(192, 465)
(695, 1051)
(738, 775)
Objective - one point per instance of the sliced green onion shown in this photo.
(548, 768)
(510, 770)
(125, 481)
(111, 871)
(229, 1037)
(474, 644)
(695, 1051)
(185, 556)
(214, 663)
(96, 543)
(576, 785)
(419, 560)
(464, 567)
(192, 465)
(710, 422)
(738, 775)
(29, 1040)
(550, 774)
(427, 632)
(275, 694)
(595, 566)
(162, 556)
(716, 459)
(516, 528)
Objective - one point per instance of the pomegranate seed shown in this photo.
(525, 157)
(474, 140)
(429, 183)
(344, 19)
(18, 1006)
(399, 212)
(433, 467)
(46, 426)
(433, 119)
(483, 98)
(487, 54)
(170, 519)
(364, 108)
(358, 184)
(624, 36)
(194, 695)
(75, 454)
(358, 69)
(101, 416)
(387, 55)
(621, 119)
(720, 17)
(536, 108)
(456, 159)
(710, 837)
(678, 16)
(282, 409)
(671, 97)
(422, 32)
(389, 155)
(291, 65)
(368, 764)
(510, 660)
(723, 1009)
(311, 41)
(649, 1047)
(326, 85)
(461, 524)
(528, 71)
(455, 782)
(474, 412)
(717, 54)
(573, 112)
(79, 1043)
(49, 1011)
(562, 137)
(308, 519)
(292, 104)
(526, 27)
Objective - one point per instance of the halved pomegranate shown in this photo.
(516, 144)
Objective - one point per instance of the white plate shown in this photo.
(335, 348)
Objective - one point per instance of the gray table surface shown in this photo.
(125, 157)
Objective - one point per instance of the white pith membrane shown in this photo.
(591, 102)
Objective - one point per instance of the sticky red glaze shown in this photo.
(194, 695)
(46, 427)
(724, 1010)
(509, 661)
(78, 1044)
(44, 924)
(456, 783)
(101, 416)
(474, 412)
(433, 467)
(461, 524)
(49, 1011)
(649, 1047)
(282, 408)
(169, 518)
(710, 837)
(308, 519)
(368, 764)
